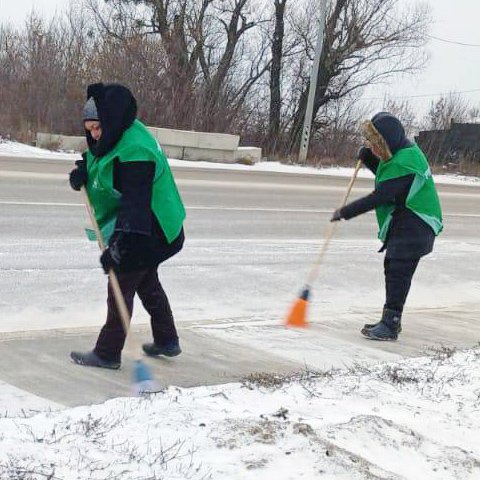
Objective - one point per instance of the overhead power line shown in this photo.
(426, 95)
(453, 42)
(439, 39)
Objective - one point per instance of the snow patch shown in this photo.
(413, 419)
(9, 148)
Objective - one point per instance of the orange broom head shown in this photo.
(298, 313)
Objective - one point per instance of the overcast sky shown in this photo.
(451, 67)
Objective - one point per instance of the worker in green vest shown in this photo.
(408, 213)
(140, 215)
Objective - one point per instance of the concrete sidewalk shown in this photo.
(223, 351)
(39, 362)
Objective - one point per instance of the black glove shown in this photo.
(127, 252)
(79, 176)
(337, 215)
(111, 257)
(365, 154)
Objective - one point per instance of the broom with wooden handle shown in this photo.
(143, 379)
(117, 292)
(297, 314)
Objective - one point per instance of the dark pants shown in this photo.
(147, 285)
(398, 278)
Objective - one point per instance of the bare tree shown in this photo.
(9, 41)
(42, 69)
(275, 75)
(204, 48)
(336, 132)
(403, 110)
(365, 43)
(448, 108)
(217, 65)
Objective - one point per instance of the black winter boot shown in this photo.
(171, 349)
(387, 329)
(91, 359)
(368, 326)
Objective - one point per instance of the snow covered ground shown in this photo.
(8, 147)
(413, 419)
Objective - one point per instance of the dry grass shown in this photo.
(465, 166)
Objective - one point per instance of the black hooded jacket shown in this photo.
(137, 227)
(117, 110)
(408, 236)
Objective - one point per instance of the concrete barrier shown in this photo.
(180, 144)
(248, 155)
(67, 143)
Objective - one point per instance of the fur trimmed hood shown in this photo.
(386, 132)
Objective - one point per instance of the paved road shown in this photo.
(251, 237)
(213, 197)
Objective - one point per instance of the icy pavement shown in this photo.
(45, 285)
(15, 402)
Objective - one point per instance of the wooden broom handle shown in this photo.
(352, 181)
(117, 292)
(331, 230)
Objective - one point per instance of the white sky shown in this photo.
(17, 10)
(451, 67)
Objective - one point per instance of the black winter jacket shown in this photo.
(409, 236)
(136, 222)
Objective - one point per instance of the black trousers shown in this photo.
(146, 284)
(398, 278)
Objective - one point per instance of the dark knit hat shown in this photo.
(90, 110)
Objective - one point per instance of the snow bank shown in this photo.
(9, 148)
(415, 419)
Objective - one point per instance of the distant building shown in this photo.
(462, 140)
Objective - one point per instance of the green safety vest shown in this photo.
(136, 144)
(422, 198)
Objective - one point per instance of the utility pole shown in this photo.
(307, 123)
